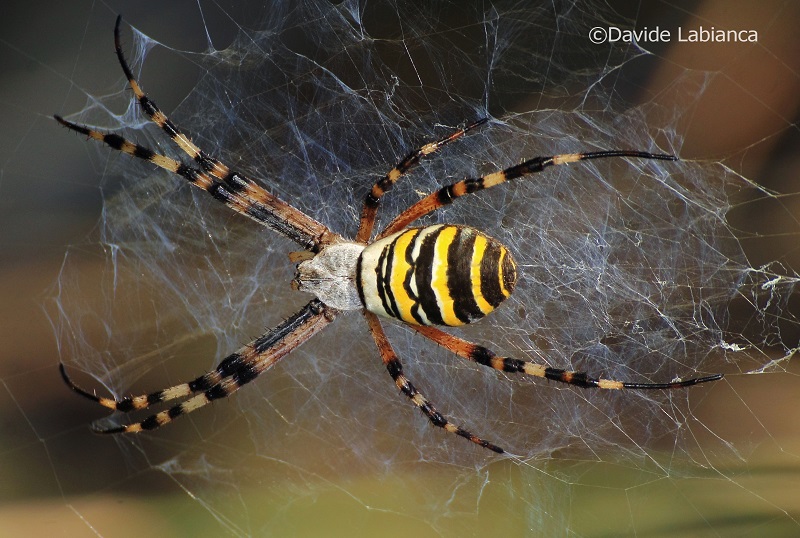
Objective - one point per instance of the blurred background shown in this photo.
(57, 478)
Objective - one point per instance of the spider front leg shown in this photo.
(228, 186)
(447, 195)
(395, 367)
(203, 160)
(236, 370)
(487, 357)
(239, 193)
(372, 200)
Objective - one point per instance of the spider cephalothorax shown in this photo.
(436, 275)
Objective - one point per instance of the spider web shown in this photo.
(645, 271)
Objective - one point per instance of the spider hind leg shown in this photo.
(449, 193)
(395, 368)
(486, 357)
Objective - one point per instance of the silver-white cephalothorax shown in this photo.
(331, 276)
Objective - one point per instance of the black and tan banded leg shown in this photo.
(395, 368)
(385, 184)
(236, 370)
(487, 357)
(228, 186)
(268, 211)
(448, 194)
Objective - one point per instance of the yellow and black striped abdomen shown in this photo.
(437, 275)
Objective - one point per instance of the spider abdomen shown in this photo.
(436, 275)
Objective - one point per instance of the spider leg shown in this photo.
(385, 184)
(251, 199)
(232, 373)
(275, 214)
(487, 357)
(446, 195)
(395, 367)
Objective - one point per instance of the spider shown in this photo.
(444, 274)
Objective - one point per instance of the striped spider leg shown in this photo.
(486, 357)
(230, 187)
(385, 184)
(449, 193)
(395, 368)
(233, 372)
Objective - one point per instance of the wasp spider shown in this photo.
(423, 276)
